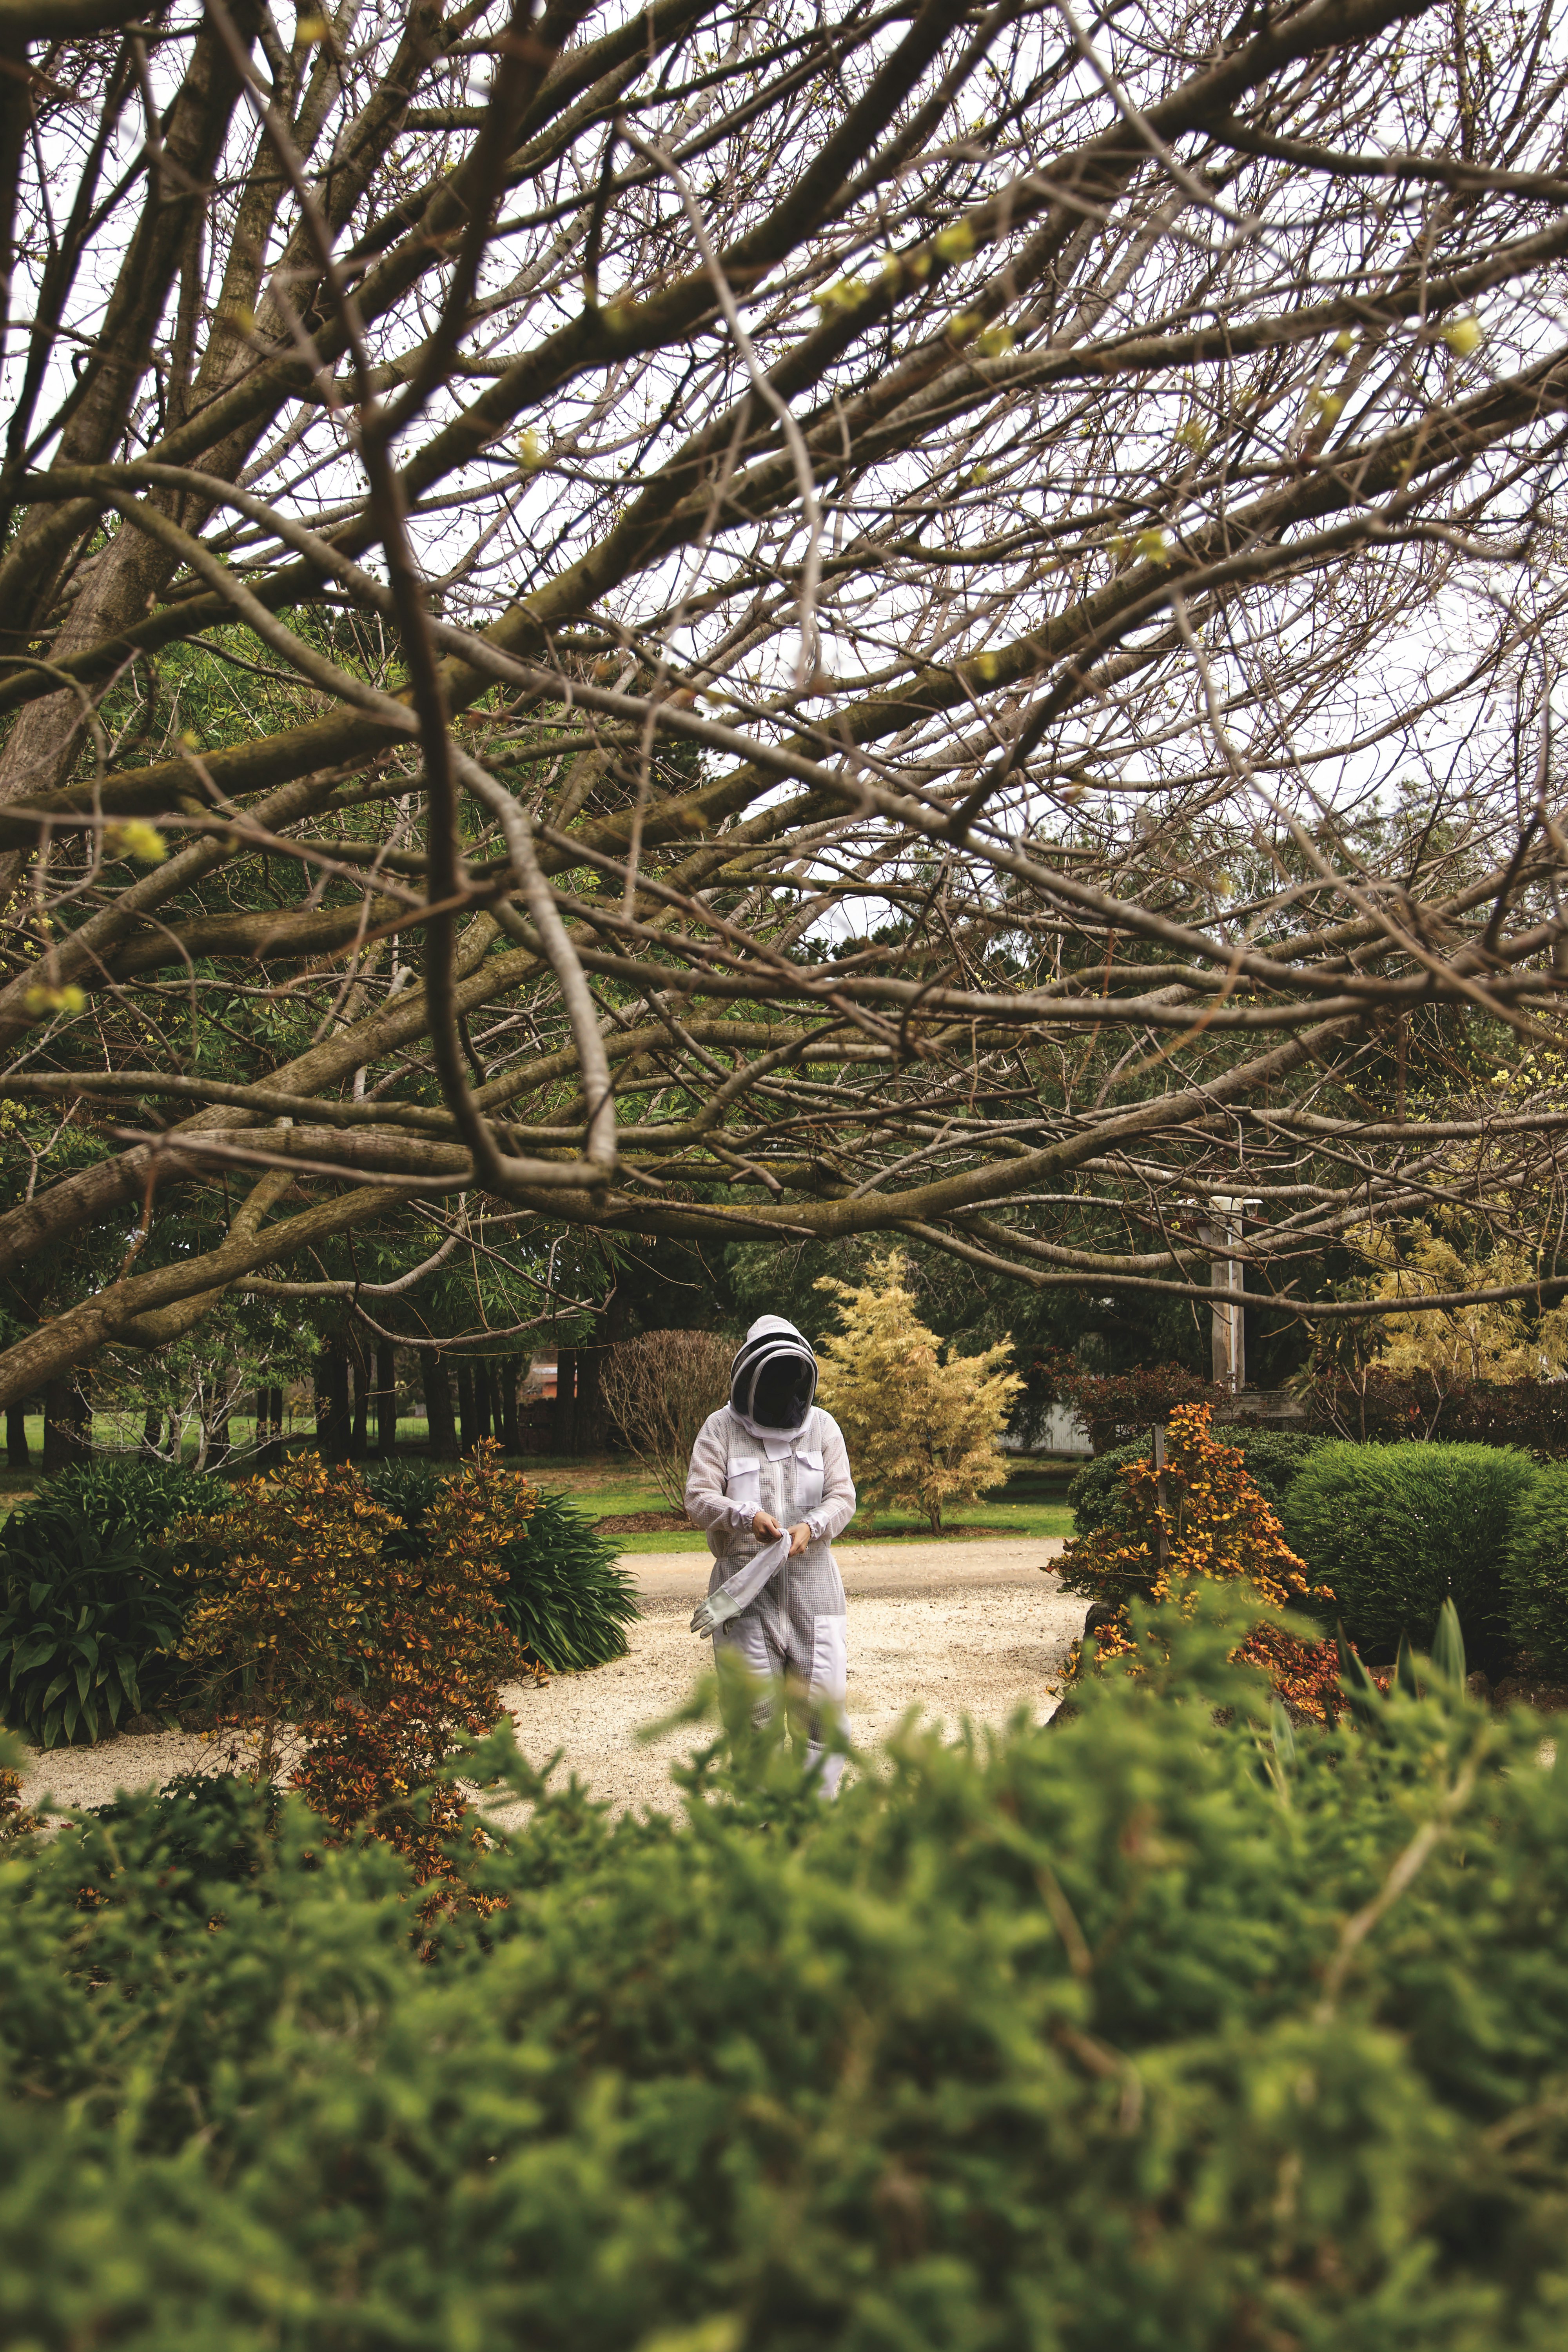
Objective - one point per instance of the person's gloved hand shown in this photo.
(715, 1611)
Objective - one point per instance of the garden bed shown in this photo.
(644, 1522)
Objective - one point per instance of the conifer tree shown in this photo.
(921, 1431)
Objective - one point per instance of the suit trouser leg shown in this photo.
(804, 1653)
(825, 1691)
(751, 1669)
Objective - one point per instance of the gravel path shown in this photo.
(953, 1630)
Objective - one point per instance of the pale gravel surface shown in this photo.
(953, 1630)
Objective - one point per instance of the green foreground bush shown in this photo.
(1135, 2036)
(1398, 1529)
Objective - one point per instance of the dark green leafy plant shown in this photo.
(1397, 1529)
(1535, 1572)
(130, 1493)
(1176, 2027)
(408, 1488)
(91, 1616)
(567, 1595)
(1274, 1457)
(202, 1825)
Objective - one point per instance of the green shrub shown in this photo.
(408, 1488)
(91, 1616)
(566, 1596)
(130, 1493)
(1273, 1457)
(1397, 1529)
(1080, 2038)
(1535, 1572)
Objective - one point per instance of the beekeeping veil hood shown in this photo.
(773, 1379)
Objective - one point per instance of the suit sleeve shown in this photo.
(707, 1504)
(837, 1508)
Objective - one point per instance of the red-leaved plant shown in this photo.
(1120, 1406)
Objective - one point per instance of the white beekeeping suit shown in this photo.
(769, 1483)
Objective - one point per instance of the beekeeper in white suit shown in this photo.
(769, 1483)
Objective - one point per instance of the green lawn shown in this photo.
(1029, 1505)
(1031, 1514)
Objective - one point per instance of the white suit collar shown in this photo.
(776, 1444)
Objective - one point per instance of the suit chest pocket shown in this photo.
(744, 1481)
(807, 1480)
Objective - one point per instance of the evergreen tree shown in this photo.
(921, 1429)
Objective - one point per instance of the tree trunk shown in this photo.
(385, 1398)
(590, 1410)
(437, 1381)
(359, 1444)
(566, 1400)
(18, 1457)
(220, 1443)
(67, 1426)
(269, 1428)
(334, 1428)
(511, 1435)
(467, 1413)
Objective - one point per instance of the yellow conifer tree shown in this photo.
(920, 1431)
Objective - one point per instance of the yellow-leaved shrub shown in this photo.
(921, 1427)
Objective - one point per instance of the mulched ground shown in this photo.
(1545, 1697)
(644, 1522)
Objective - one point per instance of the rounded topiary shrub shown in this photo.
(1535, 1572)
(1398, 1529)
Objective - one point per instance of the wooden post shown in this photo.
(1162, 1498)
(1227, 1279)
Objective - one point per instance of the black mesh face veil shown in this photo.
(773, 1379)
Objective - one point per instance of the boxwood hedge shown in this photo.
(1397, 1529)
(1166, 2030)
(1535, 1572)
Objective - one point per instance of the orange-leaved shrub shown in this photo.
(343, 1661)
(15, 1821)
(1217, 1526)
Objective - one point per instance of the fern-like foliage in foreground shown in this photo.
(1175, 2027)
